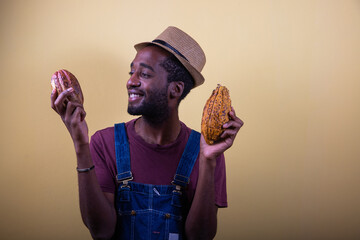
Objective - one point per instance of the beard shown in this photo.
(154, 108)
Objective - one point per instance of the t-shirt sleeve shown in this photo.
(102, 167)
(220, 182)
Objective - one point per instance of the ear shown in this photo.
(176, 89)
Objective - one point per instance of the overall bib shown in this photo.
(148, 211)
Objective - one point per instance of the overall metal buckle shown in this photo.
(178, 188)
(125, 182)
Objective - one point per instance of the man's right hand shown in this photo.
(97, 208)
(73, 116)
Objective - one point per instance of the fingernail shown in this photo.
(70, 89)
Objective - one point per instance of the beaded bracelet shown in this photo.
(82, 170)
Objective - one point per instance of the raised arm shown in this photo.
(97, 208)
(201, 222)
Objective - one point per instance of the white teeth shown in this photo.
(133, 95)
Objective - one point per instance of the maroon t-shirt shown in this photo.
(150, 163)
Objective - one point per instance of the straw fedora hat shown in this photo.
(184, 48)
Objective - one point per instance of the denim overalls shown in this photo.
(148, 211)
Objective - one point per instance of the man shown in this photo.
(133, 193)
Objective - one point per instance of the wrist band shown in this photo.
(82, 170)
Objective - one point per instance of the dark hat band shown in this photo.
(169, 46)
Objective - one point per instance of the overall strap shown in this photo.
(188, 159)
(122, 153)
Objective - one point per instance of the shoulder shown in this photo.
(102, 134)
(108, 134)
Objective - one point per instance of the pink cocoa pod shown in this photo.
(62, 80)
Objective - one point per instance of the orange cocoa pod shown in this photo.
(215, 114)
(62, 80)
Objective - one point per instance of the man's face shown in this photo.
(147, 86)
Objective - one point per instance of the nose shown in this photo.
(133, 81)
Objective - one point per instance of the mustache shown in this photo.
(136, 90)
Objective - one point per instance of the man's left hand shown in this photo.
(226, 139)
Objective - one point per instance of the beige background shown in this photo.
(293, 71)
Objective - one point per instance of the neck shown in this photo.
(164, 132)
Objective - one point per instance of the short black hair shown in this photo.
(177, 72)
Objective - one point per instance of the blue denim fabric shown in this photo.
(148, 211)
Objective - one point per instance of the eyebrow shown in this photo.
(143, 65)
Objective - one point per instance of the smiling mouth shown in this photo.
(134, 95)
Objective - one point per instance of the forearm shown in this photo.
(201, 222)
(97, 212)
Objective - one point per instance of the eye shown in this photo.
(145, 75)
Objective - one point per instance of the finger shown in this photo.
(62, 100)
(233, 116)
(53, 97)
(71, 106)
(229, 133)
(232, 113)
(70, 110)
(77, 116)
(83, 115)
(237, 123)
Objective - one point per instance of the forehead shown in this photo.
(151, 55)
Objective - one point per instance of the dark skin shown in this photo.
(147, 78)
(147, 75)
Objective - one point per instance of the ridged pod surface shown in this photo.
(62, 80)
(215, 114)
